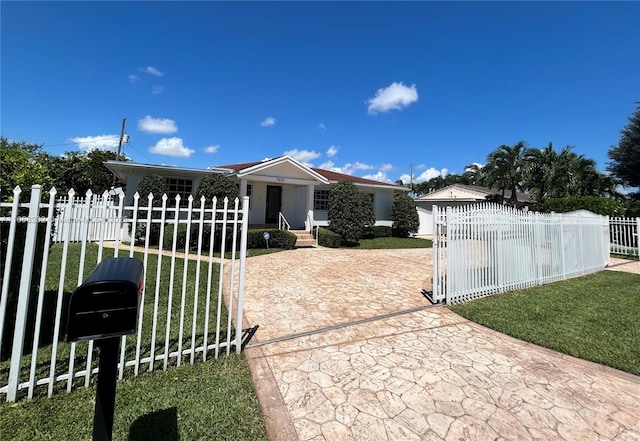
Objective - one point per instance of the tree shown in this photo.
(154, 184)
(217, 185)
(404, 216)
(23, 164)
(346, 214)
(540, 171)
(505, 168)
(83, 171)
(625, 157)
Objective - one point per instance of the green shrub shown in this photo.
(278, 239)
(381, 231)
(595, 204)
(350, 211)
(217, 185)
(328, 238)
(404, 216)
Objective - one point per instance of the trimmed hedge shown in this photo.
(328, 238)
(377, 231)
(279, 239)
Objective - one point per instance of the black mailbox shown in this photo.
(106, 304)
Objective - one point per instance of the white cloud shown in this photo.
(212, 149)
(151, 71)
(328, 165)
(156, 90)
(386, 167)
(268, 122)
(380, 176)
(163, 126)
(322, 128)
(331, 152)
(429, 173)
(304, 156)
(394, 97)
(347, 169)
(171, 147)
(133, 78)
(477, 164)
(101, 142)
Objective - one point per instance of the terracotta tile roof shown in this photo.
(337, 177)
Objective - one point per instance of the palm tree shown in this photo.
(540, 171)
(505, 169)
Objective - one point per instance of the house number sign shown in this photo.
(279, 179)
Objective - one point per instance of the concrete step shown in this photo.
(304, 238)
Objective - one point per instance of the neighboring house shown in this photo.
(454, 196)
(276, 186)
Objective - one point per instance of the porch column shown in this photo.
(310, 195)
(243, 187)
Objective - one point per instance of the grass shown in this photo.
(391, 243)
(204, 401)
(236, 369)
(593, 317)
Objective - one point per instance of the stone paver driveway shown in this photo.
(422, 374)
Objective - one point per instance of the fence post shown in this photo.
(243, 258)
(23, 293)
(638, 235)
(435, 276)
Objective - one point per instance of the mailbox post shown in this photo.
(104, 308)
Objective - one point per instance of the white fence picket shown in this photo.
(100, 219)
(485, 249)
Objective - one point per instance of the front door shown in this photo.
(274, 204)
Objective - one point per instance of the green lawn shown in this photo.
(593, 317)
(235, 368)
(214, 400)
(391, 243)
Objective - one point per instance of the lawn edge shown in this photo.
(579, 361)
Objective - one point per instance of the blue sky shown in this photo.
(364, 88)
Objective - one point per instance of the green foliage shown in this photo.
(217, 185)
(278, 239)
(377, 231)
(14, 279)
(504, 170)
(83, 171)
(625, 157)
(23, 164)
(328, 238)
(595, 204)
(155, 184)
(404, 216)
(349, 212)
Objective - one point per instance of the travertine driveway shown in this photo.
(422, 374)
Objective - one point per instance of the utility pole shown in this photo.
(121, 137)
(411, 177)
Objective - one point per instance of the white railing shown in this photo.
(311, 224)
(205, 301)
(102, 208)
(282, 222)
(624, 235)
(486, 249)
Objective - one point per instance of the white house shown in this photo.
(454, 196)
(277, 187)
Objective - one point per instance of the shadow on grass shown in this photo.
(161, 425)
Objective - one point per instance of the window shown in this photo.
(182, 187)
(249, 194)
(321, 200)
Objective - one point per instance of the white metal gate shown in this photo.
(485, 249)
(194, 310)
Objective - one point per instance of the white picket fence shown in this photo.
(199, 288)
(486, 249)
(624, 235)
(103, 209)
